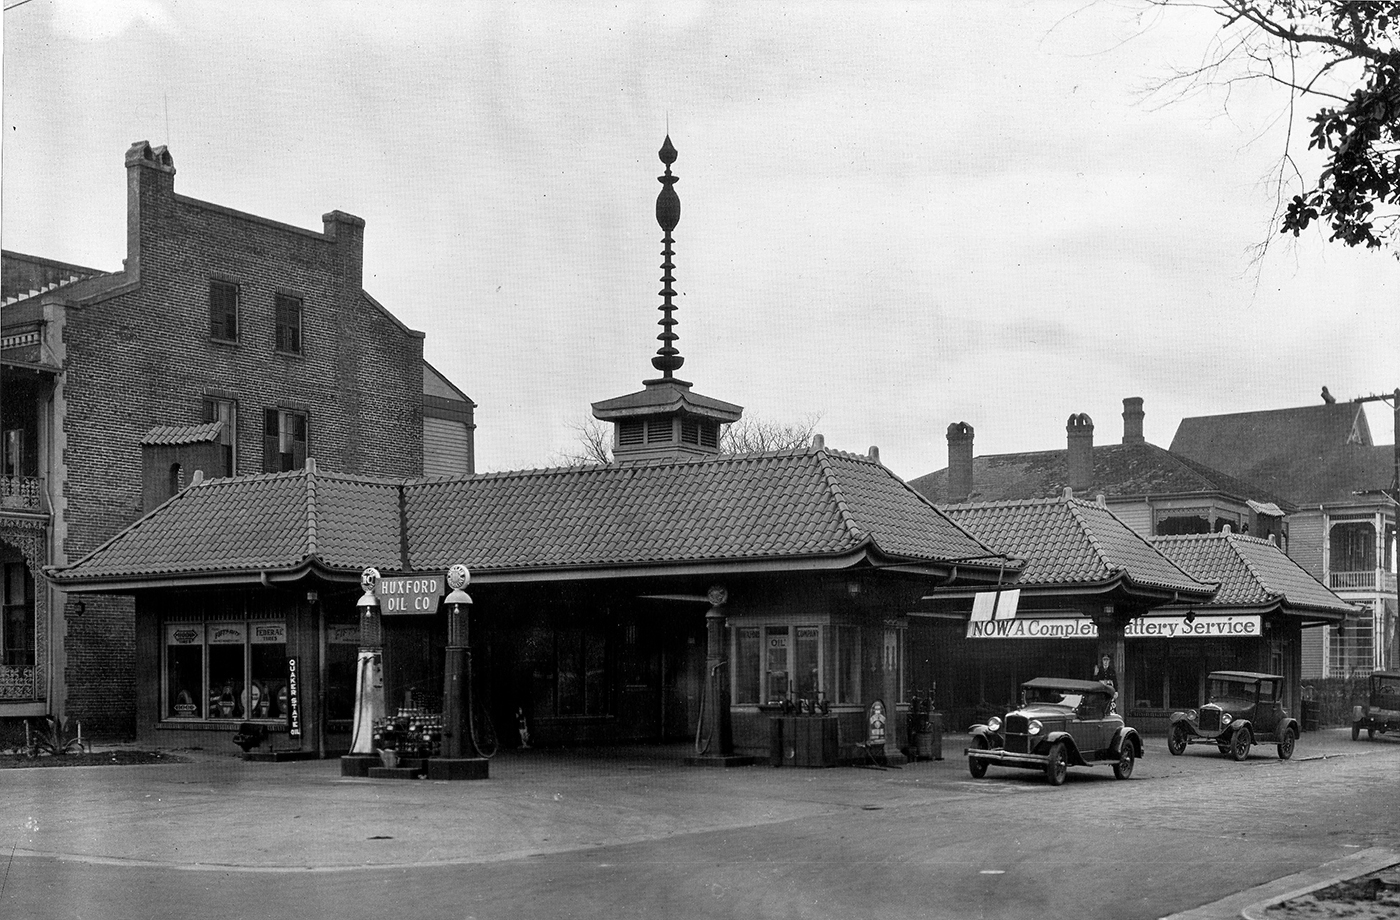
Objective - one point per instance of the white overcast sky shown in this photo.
(895, 215)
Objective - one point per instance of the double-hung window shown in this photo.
(286, 433)
(223, 311)
(217, 409)
(288, 309)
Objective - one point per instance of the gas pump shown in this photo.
(369, 667)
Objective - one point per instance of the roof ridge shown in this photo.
(311, 472)
(839, 495)
(1075, 508)
(1269, 589)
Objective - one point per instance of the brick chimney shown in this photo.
(959, 485)
(1080, 431)
(348, 233)
(150, 196)
(1132, 420)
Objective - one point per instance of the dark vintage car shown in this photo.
(1242, 708)
(1381, 711)
(1060, 723)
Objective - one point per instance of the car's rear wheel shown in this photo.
(1056, 764)
(1356, 731)
(1126, 758)
(1285, 745)
(1239, 745)
(978, 768)
(1176, 741)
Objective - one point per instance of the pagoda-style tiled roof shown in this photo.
(804, 508)
(1120, 471)
(1253, 573)
(1069, 542)
(1307, 454)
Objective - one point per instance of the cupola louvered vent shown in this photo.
(709, 435)
(630, 434)
(690, 431)
(658, 430)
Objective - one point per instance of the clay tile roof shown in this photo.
(777, 506)
(1070, 541)
(274, 523)
(1252, 573)
(183, 434)
(804, 502)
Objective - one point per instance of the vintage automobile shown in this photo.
(1381, 711)
(1242, 708)
(1060, 723)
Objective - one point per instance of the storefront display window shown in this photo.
(747, 653)
(776, 682)
(847, 664)
(226, 670)
(804, 666)
(342, 648)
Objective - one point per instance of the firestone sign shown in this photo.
(1200, 627)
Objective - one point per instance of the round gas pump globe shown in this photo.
(369, 579)
(458, 577)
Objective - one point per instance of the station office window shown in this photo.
(285, 435)
(774, 663)
(227, 669)
(288, 310)
(223, 311)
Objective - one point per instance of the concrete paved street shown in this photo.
(633, 833)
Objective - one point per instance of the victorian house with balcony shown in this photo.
(1343, 528)
(227, 345)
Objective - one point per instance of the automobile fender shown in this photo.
(1287, 724)
(1236, 725)
(1358, 713)
(1071, 749)
(982, 731)
(1179, 717)
(1126, 735)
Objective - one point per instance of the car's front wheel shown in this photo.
(1239, 745)
(1126, 758)
(1057, 764)
(1176, 741)
(1285, 744)
(978, 768)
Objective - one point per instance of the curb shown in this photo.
(1252, 904)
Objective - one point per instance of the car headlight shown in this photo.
(1192, 715)
(1226, 718)
(1035, 727)
(994, 723)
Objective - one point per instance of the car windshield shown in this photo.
(1234, 690)
(1043, 695)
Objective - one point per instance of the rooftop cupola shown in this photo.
(666, 419)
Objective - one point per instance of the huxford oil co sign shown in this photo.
(412, 594)
(1201, 627)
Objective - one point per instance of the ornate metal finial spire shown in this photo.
(668, 214)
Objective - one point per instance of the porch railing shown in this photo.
(1368, 580)
(19, 683)
(23, 493)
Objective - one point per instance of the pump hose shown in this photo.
(701, 750)
(489, 728)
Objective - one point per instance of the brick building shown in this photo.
(227, 345)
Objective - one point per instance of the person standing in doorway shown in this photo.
(1104, 672)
